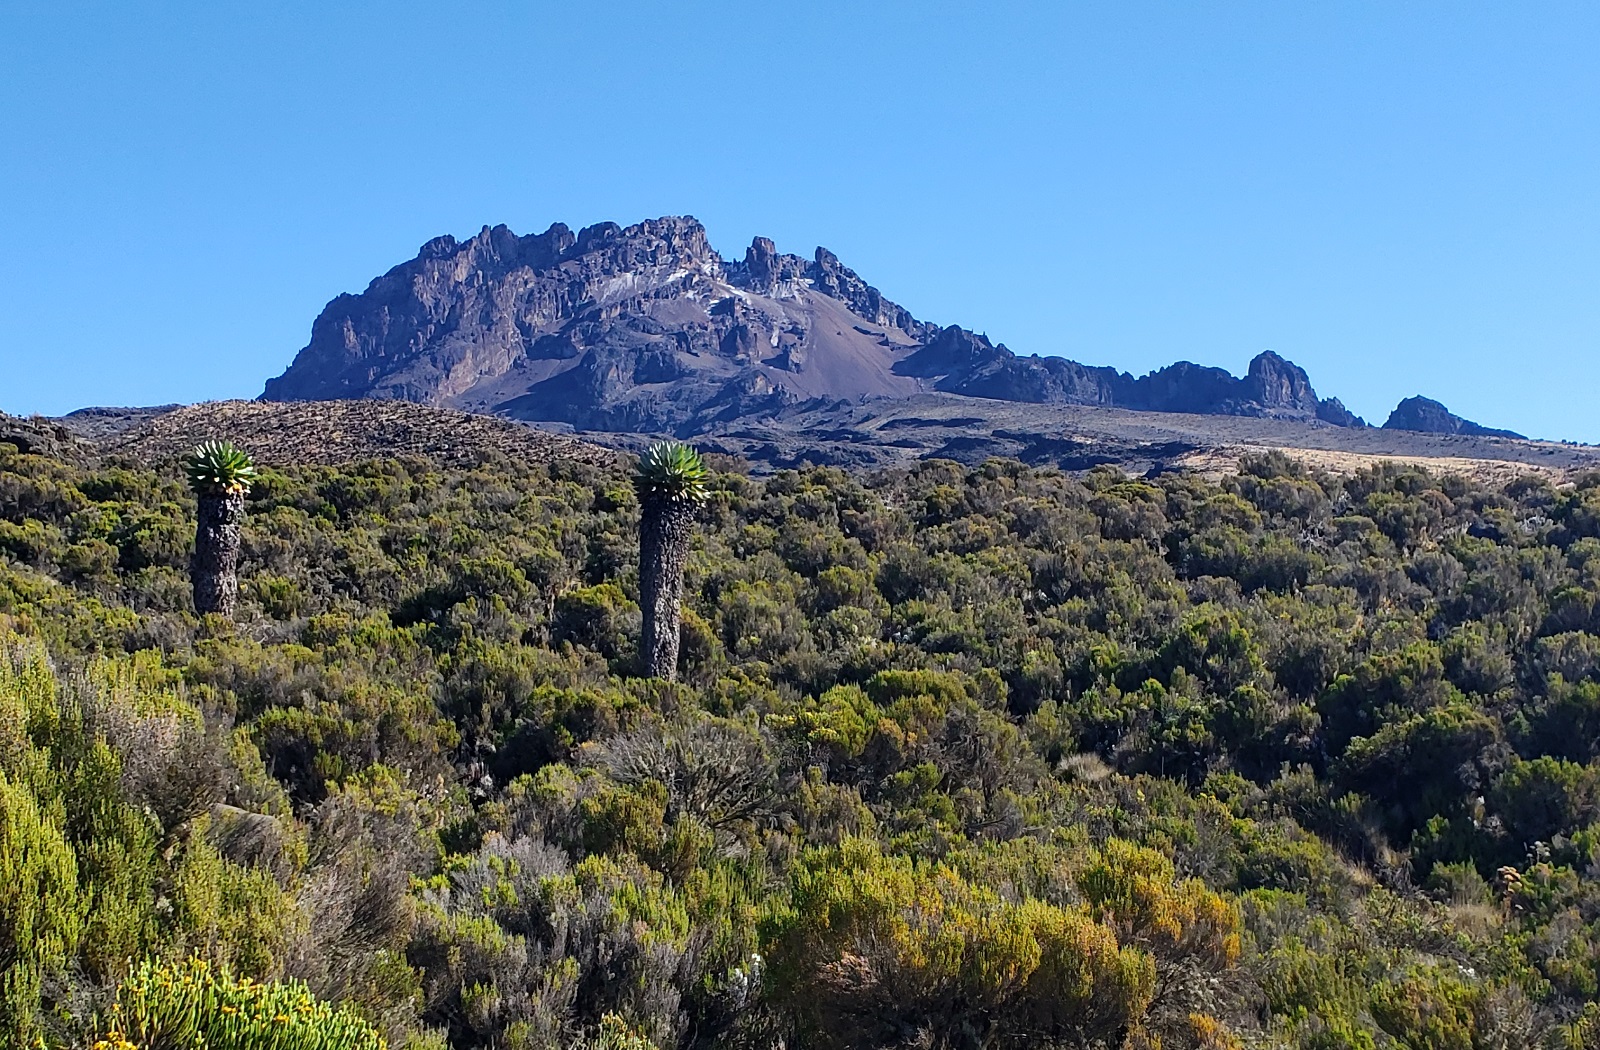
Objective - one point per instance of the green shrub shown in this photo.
(41, 910)
(193, 1004)
(876, 944)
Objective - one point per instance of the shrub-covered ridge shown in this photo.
(957, 757)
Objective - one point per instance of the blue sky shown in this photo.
(1403, 198)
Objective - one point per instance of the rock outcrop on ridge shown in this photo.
(1427, 416)
(36, 435)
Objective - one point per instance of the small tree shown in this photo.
(220, 476)
(671, 482)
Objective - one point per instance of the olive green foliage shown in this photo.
(874, 948)
(671, 470)
(957, 757)
(106, 781)
(41, 914)
(218, 467)
(194, 1004)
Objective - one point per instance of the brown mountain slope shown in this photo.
(329, 432)
(641, 329)
(877, 434)
(1078, 437)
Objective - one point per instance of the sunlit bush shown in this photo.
(193, 1004)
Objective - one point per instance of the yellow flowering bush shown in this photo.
(193, 1004)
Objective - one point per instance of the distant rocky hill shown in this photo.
(1426, 416)
(647, 329)
(102, 422)
(36, 435)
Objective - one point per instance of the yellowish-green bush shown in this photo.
(100, 776)
(874, 945)
(193, 1004)
(1432, 1009)
(614, 1033)
(41, 909)
(1136, 891)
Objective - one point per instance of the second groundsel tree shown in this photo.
(220, 475)
(671, 483)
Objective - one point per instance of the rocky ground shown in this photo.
(1078, 437)
(863, 436)
(329, 432)
(41, 436)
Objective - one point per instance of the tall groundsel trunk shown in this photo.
(221, 476)
(663, 548)
(214, 571)
(671, 483)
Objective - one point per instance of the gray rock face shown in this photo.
(1333, 411)
(38, 436)
(646, 328)
(1427, 416)
(639, 328)
(1281, 385)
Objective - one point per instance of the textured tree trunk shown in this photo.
(663, 547)
(214, 571)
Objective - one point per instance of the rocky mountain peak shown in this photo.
(1275, 383)
(766, 272)
(647, 328)
(761, 263)
(1282, 387)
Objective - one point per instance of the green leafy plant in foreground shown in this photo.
(193, 1004)
(218, 468)
(671, 470)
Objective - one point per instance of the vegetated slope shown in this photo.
(331, 432)
(648, 329)
(987, 755)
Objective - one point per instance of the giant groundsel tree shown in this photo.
(671, 482)
(220, 475)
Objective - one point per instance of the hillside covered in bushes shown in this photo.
(959, 758)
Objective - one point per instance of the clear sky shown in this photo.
(1402, 197)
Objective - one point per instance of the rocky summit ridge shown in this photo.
(647, 329)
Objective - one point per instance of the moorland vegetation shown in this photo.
(956, 757)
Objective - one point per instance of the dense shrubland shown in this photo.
(957, 758)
